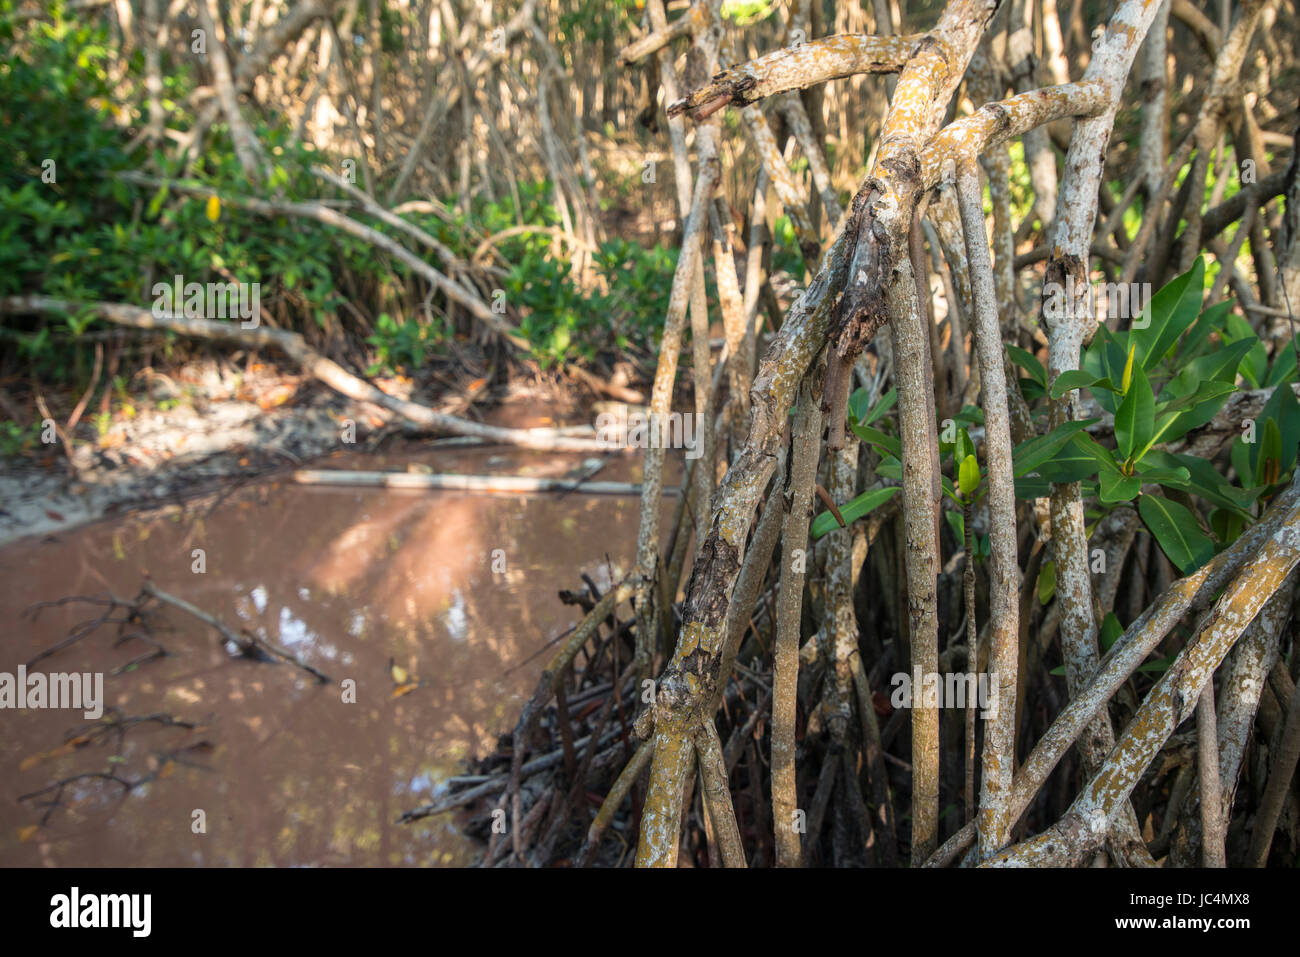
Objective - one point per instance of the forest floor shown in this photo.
(211, 422)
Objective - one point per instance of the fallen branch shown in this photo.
(312, 362)
(504, 484)
(248, 643)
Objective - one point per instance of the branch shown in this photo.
(332, 217)
(1168, 704)
(995, 123)
(998, 761)
(312, 363)
(797, 68)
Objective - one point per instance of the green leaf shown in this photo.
(1185, 413)
(964, 446)
(1283, 409)
(1104, 458)
(1079, 379)
(854, 510)
(1135, 419)
(1029, 362)
(957, 522)
(1030, 487)
(1127, 378)
(1284, 367)
(1175, 478)
(1046, 582)
(1226, 525)
(1117, 487)
(1254, 367)
(1168, 314)
(858, 404)
(1031, 453)
(1157, 667)
(1206, 482)
(890, 468)
(1177, 532)
(1220, 365)
(968, 477)
(888, 444)
(884, 405)
(1111, 631)
(1071, 464)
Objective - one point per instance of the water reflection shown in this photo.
(282, 769)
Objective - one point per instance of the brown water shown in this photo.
(285, 772)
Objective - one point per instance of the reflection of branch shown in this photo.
(163, 762)
(83, 629)
(249, 644)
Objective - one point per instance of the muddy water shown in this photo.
(284, 771)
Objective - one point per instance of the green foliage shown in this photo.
(91, 235)
(1172, 372)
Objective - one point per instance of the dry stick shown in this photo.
(873, 752)
(984, 85)
(1085, 825)
(687, 685)
(578, 779)
(821, 797)
(799, 67)
(1213, 825)
(1209, 122)
(687, 281)
(1137, 253)
(717, 797)
(759, 240)
(850, 676)
(617, 792)
(246, 640)
(246, 148)
(943, 226)
(1243, 230)
(787, 190)
(918, 428)
(998, 761)
(499, 484)
(1076, 213)
(881, 288)
(654, 41)
(331, 217)
(488, 55)
(1186, 596)
(806, 439)
(313, 363)
(1279, 782)
(1243, 685)
(972, 651)
(750, 580)
(793, 109)
(452, 261)
(732, 304)
(547, 685)
(1154, 141)
(921, 276)
(956, 331)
